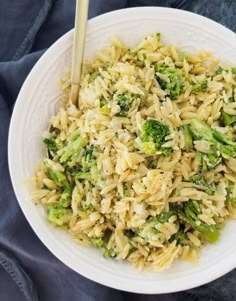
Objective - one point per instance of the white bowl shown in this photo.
(39, 100)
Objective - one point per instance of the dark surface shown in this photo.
(27, 29)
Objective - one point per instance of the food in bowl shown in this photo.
(144, 167)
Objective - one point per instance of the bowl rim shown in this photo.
(111, 281)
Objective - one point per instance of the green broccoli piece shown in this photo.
(65, 199)
(221, 142)
(131, 250)
(189, 211)
(153, 136)
(152, 164)
(129, 233)
(103, 102)
(208, 161)
(126, 191)
(51, 144)
(93, 76)
(230, 200)
(57, 176)
(199, 180)
(233, 70)
(180, 236)
(124, 101)
(58, 215)
(89, 170)
(200, 86)
(93, 175)
(210, 232)
(104, 106)
(69, 153)
(162, 218)
(89, 158)
(158, 36)
(96, 177)
(109, 253)
(88, 208)
(228, 119)
(211, 160)
(219, 70)
(166, 151)
(170, 80)
(188, 137)
(107, 65)
(153, 221)
(80, 175)
(97, 242)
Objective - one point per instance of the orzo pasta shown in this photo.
(145, 166)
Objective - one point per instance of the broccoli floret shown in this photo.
(52, 146)
(158, 36)
(104, 106)
(109, 253)
(129, 233)
(211, 160)
(166, 151)
(93, 175)
(102, 101)
(80, 175)
(126, 190)
(89, 158)
(89, 170)
(233, 70)
(57, 176)
(93, 76)
(210, 232)
(96, 177)
(170, 80)
(219, 70)
(199, 180)
(180, 236)
(208, 161)
(200, 86)
(152, 164)
(162, 218)
(124, 101)
(131, 250)
(152, 137)
(221, 142)
(97, 242)
(228, 119)
(153, 221)
(58, 215)
(188, 137)
(230, 200)
(189, 211)
(106, 66)
(88, 208)
(65, 199)
(69, 153)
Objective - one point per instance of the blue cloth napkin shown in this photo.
(28, 271)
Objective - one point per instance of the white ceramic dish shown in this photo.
(38, 101)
